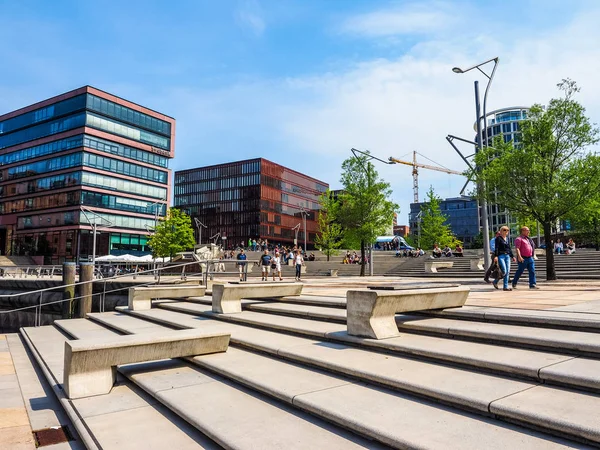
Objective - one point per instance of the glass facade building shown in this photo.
(251, 199)
(82, 150)
(462, 216)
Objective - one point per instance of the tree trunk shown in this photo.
(550, 270)
(327, 256)
(362, 258)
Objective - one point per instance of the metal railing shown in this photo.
(180, 271)
(36, 271)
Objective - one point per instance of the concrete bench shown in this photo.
(140, 298)
(540, 252)
(372, 313)
(227, 298)
(333, 272)
(431, 266)
(477, 264)
(90, 365)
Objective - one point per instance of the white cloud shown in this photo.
(249, 16)
(414, 18)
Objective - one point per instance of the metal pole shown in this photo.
(94, 227)
(481, 185)
(305, 248)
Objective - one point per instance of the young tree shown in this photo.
(365, 210)
(329, 237)
(433, 227)
(172, 235)
(550, 172)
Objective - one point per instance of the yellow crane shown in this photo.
(415, 172)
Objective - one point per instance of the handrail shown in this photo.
(205, 273)
(78, 283)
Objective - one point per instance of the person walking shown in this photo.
(299, 260)
(525, 250)
(276, 265)
(494, 265)
(503, 255)
(242, 264)
(265, 262)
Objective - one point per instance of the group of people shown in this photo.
(406, 253)
(447, 252)
(503, 255)
(352, 258)
(271, 263)
(559, 247)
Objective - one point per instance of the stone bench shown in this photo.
(227, 298)
(140, 298)
(90, 365)
(431, 266)
(477, 264)
(372, 313)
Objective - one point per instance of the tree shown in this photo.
(172, 235)
(329, 236)
(364, 209)
(550, 172)
(586, 220)
(433, 224)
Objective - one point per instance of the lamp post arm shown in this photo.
(487, 88)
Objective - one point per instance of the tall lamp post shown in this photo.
(484, 212)
(304, 213)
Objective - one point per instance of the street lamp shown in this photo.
(85, 210)
(199, 225)
(484, 212)
(296, 229)
(304, 213)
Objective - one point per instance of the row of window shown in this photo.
(121, 203)
(125, 114)
(79, 141)
(82, 198)
(48, 112)
(137, 134)
(218, 172)
(116, 166)
(79, 120)
(42, 130)
(118, 221)
(82, 178)
(86, 159)
(215, 185)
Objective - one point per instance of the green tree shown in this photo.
(172, 235)
(586, 221)
(434, 229)
(329, 236)
(550, 172)
(365, 210)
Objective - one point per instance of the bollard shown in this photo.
(69, 269)
(86, 273)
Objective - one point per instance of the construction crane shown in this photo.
(415, 172)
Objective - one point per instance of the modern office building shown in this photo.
(462, 216)
(81, 158)
(251, 199)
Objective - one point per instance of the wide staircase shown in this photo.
(582, 265)
(293, 378)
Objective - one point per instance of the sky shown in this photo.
(301, 82)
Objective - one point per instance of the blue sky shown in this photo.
(300, 82)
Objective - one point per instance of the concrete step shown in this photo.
(575, 342)
(124, 419)
(573, 320)
(292, 383)
(228, 397)
(542, 366)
